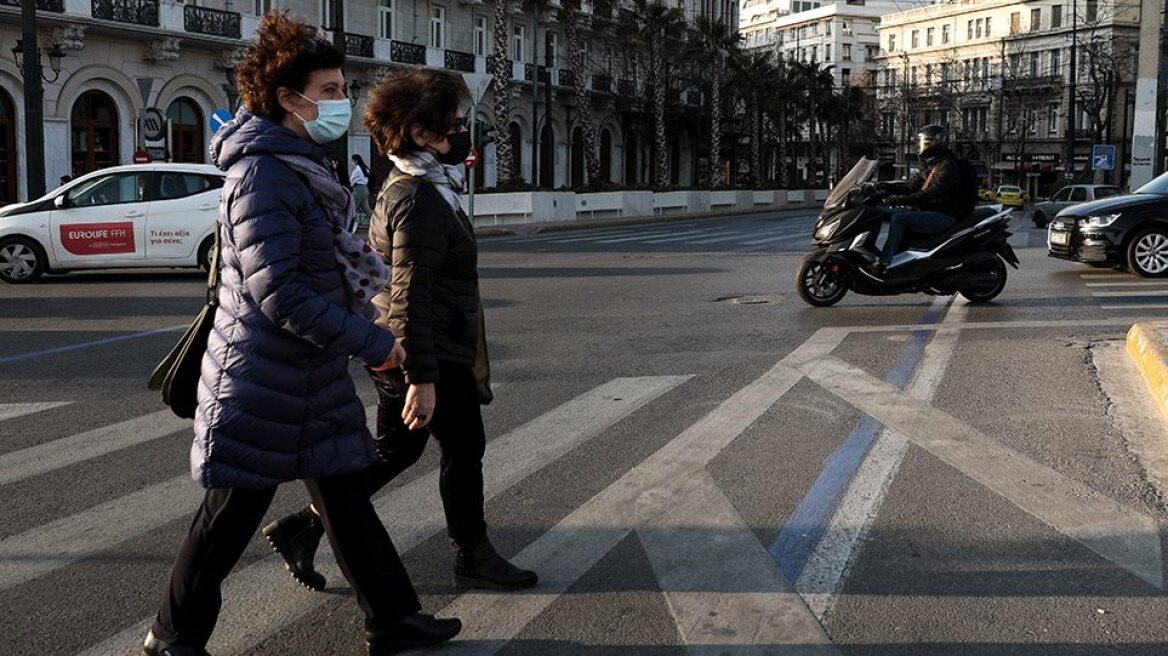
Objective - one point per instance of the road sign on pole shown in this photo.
(219, 118)
(1103, 157)
(472, 160)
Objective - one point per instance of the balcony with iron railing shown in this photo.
(55, 6)
(407, 53)
(456, 60)
(567, 77)
(135, 12)
(602, 83)
(213, 22)
(358, 45)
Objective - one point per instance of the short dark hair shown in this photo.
(285, 53)
(424, 96)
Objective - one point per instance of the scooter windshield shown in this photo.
(859, 174)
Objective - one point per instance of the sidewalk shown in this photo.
(1147, 344)
(538, 228)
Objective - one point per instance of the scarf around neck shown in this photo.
(449, 179)
(361, 268)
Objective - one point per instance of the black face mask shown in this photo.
(459, 149)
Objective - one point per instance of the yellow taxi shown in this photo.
(1011, 196)
(986, 194)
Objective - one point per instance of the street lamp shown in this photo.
(55, 55)
(354, 92)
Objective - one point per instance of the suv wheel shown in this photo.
(1147, 254)
(1039, 220)
(21, 260)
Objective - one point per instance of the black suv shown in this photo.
(1129, 230)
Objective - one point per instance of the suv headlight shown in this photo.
(826, 229)
(1098, 221)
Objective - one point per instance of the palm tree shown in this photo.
(753, 76)
(570, 19)
(655, 24)
(501, 69)
(709, 37)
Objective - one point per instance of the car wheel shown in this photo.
(206, 251)
(21, 260)
(1039, 220)
(1147, 253)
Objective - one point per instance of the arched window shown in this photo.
(94, 133)
(577, 158)
(516, 150)
(606, 155)
(7, 149)
(187, 130)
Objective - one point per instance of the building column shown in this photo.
(1144, 140)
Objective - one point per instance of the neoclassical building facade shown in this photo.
(123, 57)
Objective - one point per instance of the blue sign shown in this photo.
(219, 118)
(1102, 157)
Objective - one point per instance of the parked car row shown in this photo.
(150, 215)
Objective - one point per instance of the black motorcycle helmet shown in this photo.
(931, 136)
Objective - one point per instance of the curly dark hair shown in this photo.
(286, 51)
(405, 97)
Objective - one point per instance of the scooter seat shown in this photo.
(914, 241)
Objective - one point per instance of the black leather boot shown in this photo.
(480, 566)
(296, 538)
(417, 630)
(155, 647)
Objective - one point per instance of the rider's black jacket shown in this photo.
(937, 187)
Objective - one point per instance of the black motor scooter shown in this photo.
(969, 259)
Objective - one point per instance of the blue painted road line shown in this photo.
(803, 530)
(99, 342)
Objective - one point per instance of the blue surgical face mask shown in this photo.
(331, 122)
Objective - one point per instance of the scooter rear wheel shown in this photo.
(987, 292)
(817, 284)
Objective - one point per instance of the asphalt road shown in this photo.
(694, 461)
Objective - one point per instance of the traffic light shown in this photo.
(486, 136)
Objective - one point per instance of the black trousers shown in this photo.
(225, 524)
(457, 426)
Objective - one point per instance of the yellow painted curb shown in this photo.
(1146, 344)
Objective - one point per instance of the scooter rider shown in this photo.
(936, 193)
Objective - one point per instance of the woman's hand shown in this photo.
(419, 408)
(397, 355)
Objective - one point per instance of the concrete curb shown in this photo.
(539, 228)
(1147, 345)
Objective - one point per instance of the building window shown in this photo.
(1056, 16)
(551, 50)
(438, 27)
(871, 53)
(262, 7)
(1052, 119)
(520, 39)
(891, 43)
(916, 39)
(1056, 62)
(827, 52)
(946, 72)
(987, 21)
(827, 28)
(845, 75)
(385, 18)
(847, 52)
(928, 73)
(929, 36)
(969, 36)
(978, 23)
(480, 36)
(1035, 63)
(845, 28)
(1033, 122)
(94, 132)
(1092, 11)
(945, 34)
(1015, 22)
(1035, 19)
(326, 12)
(187, 130)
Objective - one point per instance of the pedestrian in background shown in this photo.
(432, 305)
(359, 183)
(276, 401)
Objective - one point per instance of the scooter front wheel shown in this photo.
(818, 284)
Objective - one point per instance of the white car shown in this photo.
(147, 215)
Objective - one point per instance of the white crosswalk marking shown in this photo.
(1150, 292)
(14, 410)
(49, 456)
(656, 238)
(413, 513)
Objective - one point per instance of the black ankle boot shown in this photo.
(296, 538)
(417, 630)
(480, 566)
(155, 647)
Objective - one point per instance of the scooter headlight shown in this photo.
(825, 231)
(1098, 221)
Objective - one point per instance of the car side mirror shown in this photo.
(61, 202)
